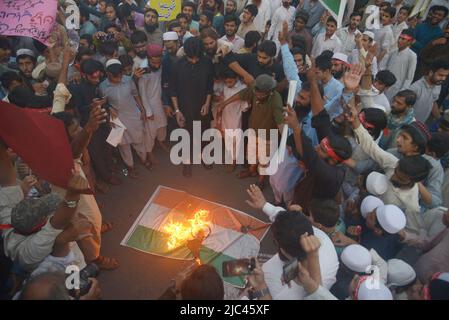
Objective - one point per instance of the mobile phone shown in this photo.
(238, 267)
(290, 270)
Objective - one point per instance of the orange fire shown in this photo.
(182, 232)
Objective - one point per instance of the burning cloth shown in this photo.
(177, 225)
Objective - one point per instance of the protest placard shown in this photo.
(31, 18)
(167, 9)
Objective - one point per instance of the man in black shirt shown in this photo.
(191, 86)
(83, 95)
(324, 175)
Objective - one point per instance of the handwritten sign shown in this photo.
(167, 9)
(30, 18)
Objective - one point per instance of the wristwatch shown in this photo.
(259, 293)
(70, 203)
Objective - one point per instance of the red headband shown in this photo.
(359, 283)
(366, 124)
(330, 151)
(406, 37)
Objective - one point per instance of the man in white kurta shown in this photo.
(273, 268)
(284, 13)
(402, 63)
(150, 89)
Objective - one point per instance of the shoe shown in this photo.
(187, 171)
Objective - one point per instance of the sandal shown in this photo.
(106, 263)
(106, 226)
(246, 174)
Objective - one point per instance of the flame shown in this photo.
(181, 232)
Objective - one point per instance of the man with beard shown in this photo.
(218, 19)
(206, 19)
(402, 113)
(139, 41)
(151, 27)
(189, 8)
(347, 34)
(324, 175)
(428, 90)
(339, 65)
(26, 62)
(171, 44)
(149, 84)
(429, 30)
(230, 26)
(192, 73)
(402, 63)
(412, 140)
(249, 66)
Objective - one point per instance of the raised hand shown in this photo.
(309, 243)
(283, 34)
(291, 119)
(257, 199)
(352, 77)
(305, 280)
(97, 116)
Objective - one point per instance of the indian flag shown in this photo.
(232, 234)
(336, 8)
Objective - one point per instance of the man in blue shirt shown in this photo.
(429, 29)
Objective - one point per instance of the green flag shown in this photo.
(336, 8)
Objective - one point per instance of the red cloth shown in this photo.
(40, 140)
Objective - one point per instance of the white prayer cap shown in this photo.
(369, 34)
(111, 62)
(27, 52)
(369, 204)
(391, 218)
(340, 56)
(369, 288)
(170, 36)
(399, 273)
(376, 183)
(356, 257)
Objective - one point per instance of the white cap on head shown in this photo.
(377, 183)
(391, 218)
(340, 56)
(369, 204)
(371, 289)
(400, 273)
(356, 257)
(27, 52)
(369, 34)
(111, 62)
(170, 36)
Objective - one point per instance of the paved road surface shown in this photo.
(142, 275)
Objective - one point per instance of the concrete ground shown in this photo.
(145, 276)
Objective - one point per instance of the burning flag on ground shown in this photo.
(177, 225)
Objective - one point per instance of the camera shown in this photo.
(238, 267)
(104, 38)
(89, 271)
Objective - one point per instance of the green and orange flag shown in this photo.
(165, 219)
(336, 8)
